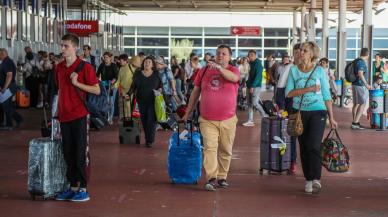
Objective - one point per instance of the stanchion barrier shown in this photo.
(376, 101)
(376, 105)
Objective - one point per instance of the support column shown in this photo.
(311, 23)
(84, 11)
(325, 29)
(64, 9)
(341, 40)
(294, 29)
(302, 27)
(367, 37)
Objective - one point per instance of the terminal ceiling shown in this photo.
(220, 5)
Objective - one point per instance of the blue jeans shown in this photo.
(10, 113)
(111, 101)
(178, 86)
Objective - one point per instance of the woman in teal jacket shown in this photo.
(315, 107)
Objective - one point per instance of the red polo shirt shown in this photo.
(70, 106)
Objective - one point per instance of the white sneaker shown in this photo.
(308, 188)
(316, 186)
(39, 105)
(248, 124)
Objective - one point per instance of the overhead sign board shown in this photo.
(82, 27)
(245, 30)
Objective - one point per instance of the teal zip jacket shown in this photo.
(255, 74)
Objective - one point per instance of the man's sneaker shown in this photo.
(355, 126)
(316, 186)
(360, 127)
(66, 195)
(222, 183)
(211, 185)
(80, 196)
(39, 105)
(248, 124)
(308, 188)
(293, 168)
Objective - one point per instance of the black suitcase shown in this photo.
(129, 129)
(171, 123)
(273, 137)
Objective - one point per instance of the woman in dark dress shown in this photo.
(144, 83)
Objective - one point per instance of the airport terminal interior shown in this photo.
(135, 178)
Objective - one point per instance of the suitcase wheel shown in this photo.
(137, 139)
(32, 197)
(172, 182)
(195, 183)
(264, 172)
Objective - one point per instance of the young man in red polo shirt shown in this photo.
(72, 115)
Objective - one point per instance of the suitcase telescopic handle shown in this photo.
(132, 106)
(191, 130)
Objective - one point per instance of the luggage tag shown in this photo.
(282, 146)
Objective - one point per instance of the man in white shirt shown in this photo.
(282, 71)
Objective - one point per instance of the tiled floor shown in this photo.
(131, 180)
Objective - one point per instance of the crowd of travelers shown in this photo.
(300, 82)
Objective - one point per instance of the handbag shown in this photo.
(295, 124)
(335, 155)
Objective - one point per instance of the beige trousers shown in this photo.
(218, 138)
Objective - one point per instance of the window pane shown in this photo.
(247, 42)
(277, 53)
(319, 42)
(186, 31)
(380, 43)
(317, 30)
(128, 30)
(384, 53)
(332, 43)
(217, 31)
(352, 32)
(211, 51)
(333, 32)
(380, 32)
(152, 30)
(129, 41)
(129, 51)
(275, 42)
(244, 53)
(214, 42)
(351, 54)
(152, 41)
(198, 51)
(197, 42)
(155, 52)
(276, 32)
(351, 43)
(332, 54)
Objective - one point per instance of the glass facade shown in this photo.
(201, 40)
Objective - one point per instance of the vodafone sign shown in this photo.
(81, 27)
(245, 30)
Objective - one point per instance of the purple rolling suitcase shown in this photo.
(273, 137)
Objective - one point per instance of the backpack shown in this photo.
(97, 105)
(268, 107)
(93, 61)
(350, 71)
(335, 155)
